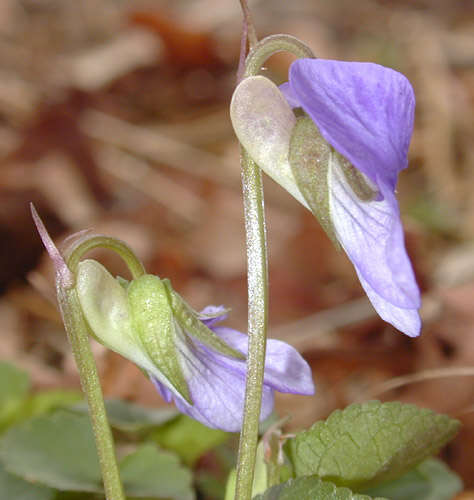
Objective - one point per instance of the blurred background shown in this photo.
(114, 117)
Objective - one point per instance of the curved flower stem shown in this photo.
(271, 45)
(78, 335)
(89, 243)
(257, 277)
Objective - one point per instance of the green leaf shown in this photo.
(188, 438)
(310, 488)
(15, 488)
(56, 450)
(430, 480)
(47, 401)
(14, 388)
(149, 472)
(129, 417)
(371, 442)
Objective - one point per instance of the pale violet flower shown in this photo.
(217, 382)
(186, 365)
(364, 113)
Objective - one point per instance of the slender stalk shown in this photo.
(257, 321)
(257, 273)
(78, 335)
(79, 339)
(271, 45)
(89, 243)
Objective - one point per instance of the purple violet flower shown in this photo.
(216, 382)
(365, 112)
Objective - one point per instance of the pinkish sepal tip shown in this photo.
(64, 276)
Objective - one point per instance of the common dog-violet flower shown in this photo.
(205, 381)
(190, 360)
(343, 165)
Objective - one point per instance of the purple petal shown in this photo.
(406, 320)
(217, 383)
(371, 233)
(165, 393)
(285, 368)
(290, 97)
(365, 111)
(216, 389)
(211, 315)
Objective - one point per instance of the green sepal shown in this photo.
(309, 158)
(189, 321)
(152, 318)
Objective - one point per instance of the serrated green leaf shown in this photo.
(15, 488)
(188, 438)
(310, 488)
(149, 472)
(56, 450)
(14, 388)
(430, 480)
(367, 443)
(130, 417)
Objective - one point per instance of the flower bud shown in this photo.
(136, 321)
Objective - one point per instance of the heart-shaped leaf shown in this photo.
(431, 480)
(55, 450)
(367, 443)
(14, 388)
(310, 488)
(13, 487)
(150, 472)
(130, 417)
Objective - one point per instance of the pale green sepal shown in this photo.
(152, 318)
(263, 121)
(104, 305)
(309, 158)
(189, 321)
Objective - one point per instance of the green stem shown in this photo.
(257, 277)
(89, 243)
(78, 334)
(79, 339)
(271, 45)
(257, 321)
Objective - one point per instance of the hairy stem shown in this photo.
(79, 339)
(271, 45)
(257, 321)
(257, 276)
(78, 335)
